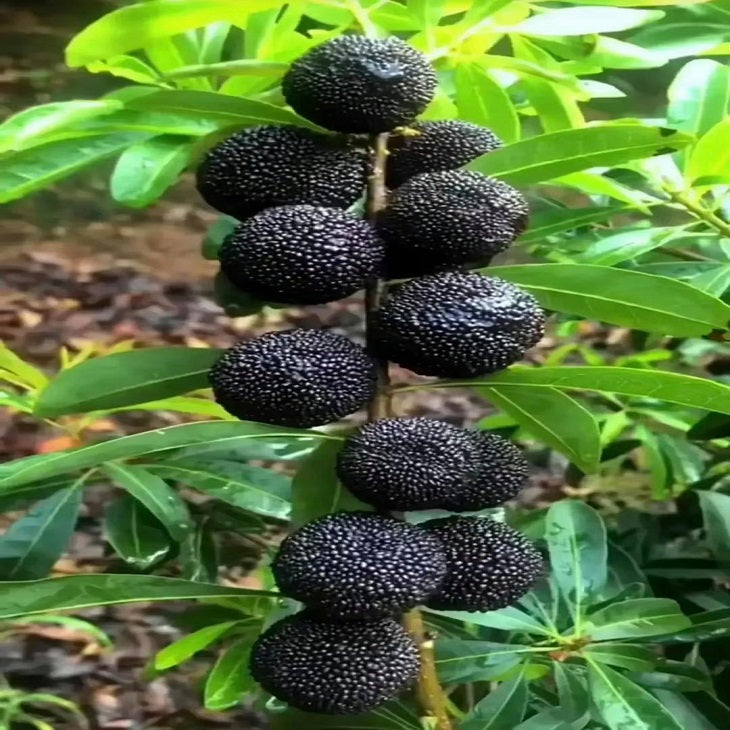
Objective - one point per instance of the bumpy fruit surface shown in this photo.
(266, 166)
(358, 84)
(446, 220)
(334, 668)
(298, 378)
(456, 325)
(436, 145)
(420, 463)
(359, 565)
(490, 565)
(302, 254)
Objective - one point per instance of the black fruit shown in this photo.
(420, 463)
(456, 325)
(296, 378)
(301, 254)
(359, 565)
(446, 220)
(434, 146)
(266, 166)
(358, 84)
(490, 565)
(334, 668)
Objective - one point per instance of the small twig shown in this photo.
(699, 211)
(429, 693)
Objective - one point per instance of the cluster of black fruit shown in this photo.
(291, 188)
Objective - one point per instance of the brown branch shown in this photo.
(429, 693)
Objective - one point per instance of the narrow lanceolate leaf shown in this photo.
(230, 678)
(506, 619)
(716, 512)
(27, 127)
(555, 418)
(711, 155)
(699, 96)
(317, 491)
(23, 598)
(636, 618)
(210, 105)
(137, 25)
(553, 222)
(576, 537)
(548, 156)
(25, 372)
(627, 298)
(252, 488)
(671, 387)
(633, 657)
(476, 661)
(576, 21)
(213, 435)
(146, 170)
(22, 173)
(33, 543)
(155, 494)
(134, 533)
(127, 378)
(501, 709)
(623, 704)
(183, 649)
(480, 99)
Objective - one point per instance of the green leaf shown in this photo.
(216, 234)
(134, 533)
(239, 67)
(480, 99)
(576, 538)
(316, 490)
(553, 222)
(126, 67)
(711, 155)
(183, 649)
(506, 619)
(555, 418)
(625, 245)
(144, 171)
(684, 711)
(699, 96)
(210, 105)
(127, 378)
(552, 719)
(461, 661)
(155, 494)
(674, 675)
(623, 704)
(154, 123)
(199, 550)
(25, 128)
(221, 435)
(716, 513)
(501, 709)
(26, 372)
(230, 679)
(25, 172)
(76, 592)
(678, 40)
(628, 298)
(711, 426)
(576, 21)
(548, 156)
(627, 656)
(572, 692)
(135, 26)
(636, 618)
(33, 543)
(262, 491)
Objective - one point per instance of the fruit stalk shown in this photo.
(429, 693)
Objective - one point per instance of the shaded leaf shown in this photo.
(716, 512)
(34, 542)
(636, 618)
(155, 494)
(555, 418)
(627, 656)
(501, 709)
(230, 679)
(134, 533)
(506, 619)
(576, 538)
(460, 661)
